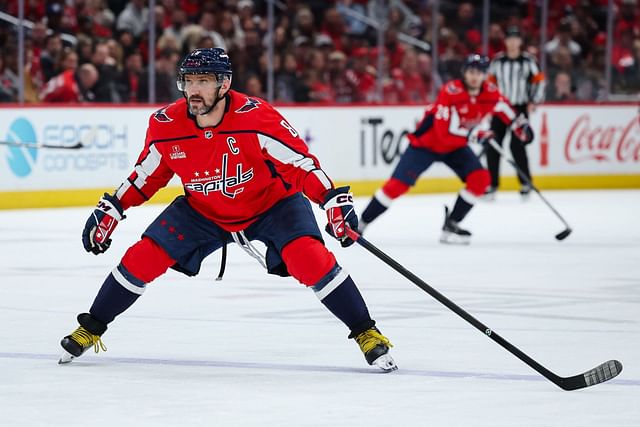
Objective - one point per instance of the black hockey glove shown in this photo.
(522, 130)
(338, 203)
(101, 223)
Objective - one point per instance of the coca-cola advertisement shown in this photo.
(586, 139)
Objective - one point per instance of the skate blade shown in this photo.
(65, 357)
(454, 239)
(386, 363)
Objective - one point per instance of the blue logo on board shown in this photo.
(21, 159)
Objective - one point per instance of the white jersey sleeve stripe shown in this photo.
(323, 178)
(284, 154)
(454, 125)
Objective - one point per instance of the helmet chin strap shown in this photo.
(215, 102)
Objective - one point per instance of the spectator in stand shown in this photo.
(430, 77)
(360, 81)
(340, 87)
(302, 50)
(253, 87)
(208, 24)
(192, 8)
(410, 86)
(103, 17)
(50, 56)
(127, 41)
(629, 17)
(234, 36)
(352, 25)
(496, 40)
(165, 82)
(71, 85)
(288, 87)
(562, 89)
(8, 76)
(465, 20)
(129, 80)
(134, 18)
(334, 27)
(68, 60)
(105, 89)
(394, 49)
(562, 39)
(176, 28)
(303, 24)
(451, 54)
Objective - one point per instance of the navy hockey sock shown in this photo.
(373, 210)
(118, 292)
(460, 209)
(339, 294)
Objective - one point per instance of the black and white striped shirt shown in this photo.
(519, 79)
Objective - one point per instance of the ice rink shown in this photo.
(258, 350)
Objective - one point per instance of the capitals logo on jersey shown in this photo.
(250, 104)
(161, 115)
(223, 183)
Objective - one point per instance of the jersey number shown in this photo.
(290, 128)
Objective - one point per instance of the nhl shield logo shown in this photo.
(208, 134)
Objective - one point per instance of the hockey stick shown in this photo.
(597, 375)
(75, 146)
(563, 234)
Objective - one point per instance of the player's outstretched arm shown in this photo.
(101, 223)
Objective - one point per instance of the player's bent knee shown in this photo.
(478, 181)
(307, 260)
(395, 188)
(146, 260)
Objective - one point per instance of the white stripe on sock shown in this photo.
(332, 285)
(383, 198)
(125, 283)
(468, 197)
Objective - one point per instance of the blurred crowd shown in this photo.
(98, 50)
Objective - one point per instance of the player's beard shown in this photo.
(203, 108)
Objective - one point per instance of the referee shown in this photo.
(520, 80)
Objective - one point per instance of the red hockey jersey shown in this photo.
(232, 172)
(446, 123)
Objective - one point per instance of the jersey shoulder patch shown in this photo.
(453, 88)
(162, 116)
(491, 87)
(250, 104)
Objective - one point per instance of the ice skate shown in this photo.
(525, 192)
(87, 335)
(490, 194)
(452, 233)
(375, 348)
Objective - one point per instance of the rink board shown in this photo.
(576, 147)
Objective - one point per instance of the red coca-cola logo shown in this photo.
(602, 143)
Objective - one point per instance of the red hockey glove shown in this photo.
(479, 135)
(522, 130)
(338, 203)
(101, 223)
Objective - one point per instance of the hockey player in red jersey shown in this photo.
(461, 114)
(244, 169)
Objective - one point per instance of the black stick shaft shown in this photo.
(455, 308)
(526, 179)
(41, 145)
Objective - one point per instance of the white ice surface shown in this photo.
(258, 350)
